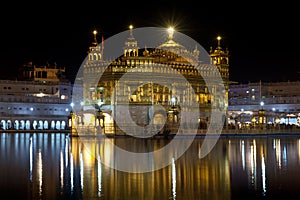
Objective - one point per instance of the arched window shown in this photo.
(3, 125)
(40, 125)
(63, 125)
(8, 125)
(16, 125)
(224, 61)
(46, 125)
(52, 127)
(34, 125)
(95, 56)
(27, 125)
(22, 125)
(57, 125)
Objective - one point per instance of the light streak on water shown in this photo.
(243, 155)
(81, 169)
(99, 168)
(40, 171)
(298, 150)
(263, 174)
(30, 158)
(278, 152)
(173, 179)
(72, 172)
(66, 151)
(253, 164)
(284, 157)
(61, 170)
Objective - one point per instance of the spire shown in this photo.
(102, 45)
(171, 45)
(95, 53)
(171, 32)
(95, 37)
(219, 42)
(196, 52)
(130, 28)
(131, 48)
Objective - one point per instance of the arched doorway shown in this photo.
(3, 125)
(46, 125)
(63, 125)
(52, 125)
(8, 125)
(34, 125)
(16, 125)
(40, 125)
(159, 120)
(27, 125)
(57, 125)
(22, 125)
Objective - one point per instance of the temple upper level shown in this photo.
(131, 48)
(218, 55)
(95, 52)
(46, 73)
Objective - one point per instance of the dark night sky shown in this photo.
(263, 40)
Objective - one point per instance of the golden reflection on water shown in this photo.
(186, 178)
(54, 166)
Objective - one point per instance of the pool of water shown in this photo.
(55, 166)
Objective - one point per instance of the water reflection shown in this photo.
(54, 166)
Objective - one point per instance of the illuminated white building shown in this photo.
(38, 100)
(279, 100)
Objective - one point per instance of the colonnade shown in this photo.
(32, 124)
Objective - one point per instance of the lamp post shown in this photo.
(100, 117)
(262, 115)
(262, 105)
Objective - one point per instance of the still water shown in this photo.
(55, 166)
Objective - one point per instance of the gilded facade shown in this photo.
(169, 58)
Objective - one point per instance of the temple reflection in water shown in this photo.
(55, 166)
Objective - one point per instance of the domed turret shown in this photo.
(178, 50)
(131, 47)
(95, 50)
